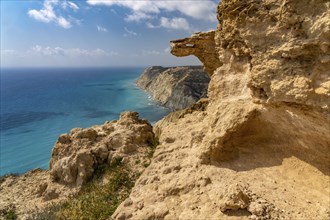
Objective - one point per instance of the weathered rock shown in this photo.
(239, 197)
(287, 44)
(234, 198)
(266, 122)
(202, 45)
(199, 106)
(175, 87)
(75, 161)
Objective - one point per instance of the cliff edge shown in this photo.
(260, 148)
(76, 158)
(175, 87)
(256, 148)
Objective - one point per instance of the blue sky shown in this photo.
(98, 33)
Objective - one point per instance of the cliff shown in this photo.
(76, 158)
(260, 148)
(256, 148)
(175, 87)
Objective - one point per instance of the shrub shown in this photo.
(11, 215)
(96, 200)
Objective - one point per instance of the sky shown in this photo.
(99, 33)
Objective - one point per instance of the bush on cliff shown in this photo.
(99, 198)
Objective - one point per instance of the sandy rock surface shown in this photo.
(202, 46)
(260, 149)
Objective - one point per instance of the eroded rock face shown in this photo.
(286, 45)
(259, 150)
(75, 156)
(74, 159)
(202, 46)
(175, 87)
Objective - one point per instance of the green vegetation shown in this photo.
(153, 143)
(99, 198)
(11, 215)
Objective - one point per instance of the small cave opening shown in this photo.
(190, 45)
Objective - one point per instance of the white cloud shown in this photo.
(70, 52)
(63, 22)
(138, 16)
(129, 33)
(150, 52)
(67, 4)
(73, 6)
(101, 29)
(198, 9)
(8, 52)
(167, 50)
(47, 14)
(174, 23)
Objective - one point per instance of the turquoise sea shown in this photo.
(37, 105)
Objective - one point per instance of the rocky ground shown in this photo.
(260, 149)
(175, 87)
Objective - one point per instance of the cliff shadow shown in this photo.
(276, 134)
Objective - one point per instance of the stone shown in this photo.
(201, 45)
(88, 133)
(234, 198)
(74, 163)
(64, 139)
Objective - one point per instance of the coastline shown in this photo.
(255, 148)
(50, 102)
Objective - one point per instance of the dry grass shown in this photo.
(97, 199)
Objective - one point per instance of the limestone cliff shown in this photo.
(260, 149)
(175, 87)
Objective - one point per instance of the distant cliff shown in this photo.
(175, 87)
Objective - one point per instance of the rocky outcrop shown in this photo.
(175, 87)
(201, 45)
(75, 158)
(259, 150)
(76, 155)
(287, 46)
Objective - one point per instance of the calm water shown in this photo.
(37, 105)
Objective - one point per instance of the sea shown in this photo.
(37, 105)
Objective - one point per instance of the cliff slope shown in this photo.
(260, 149)
(75, 159)
(175, 87)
